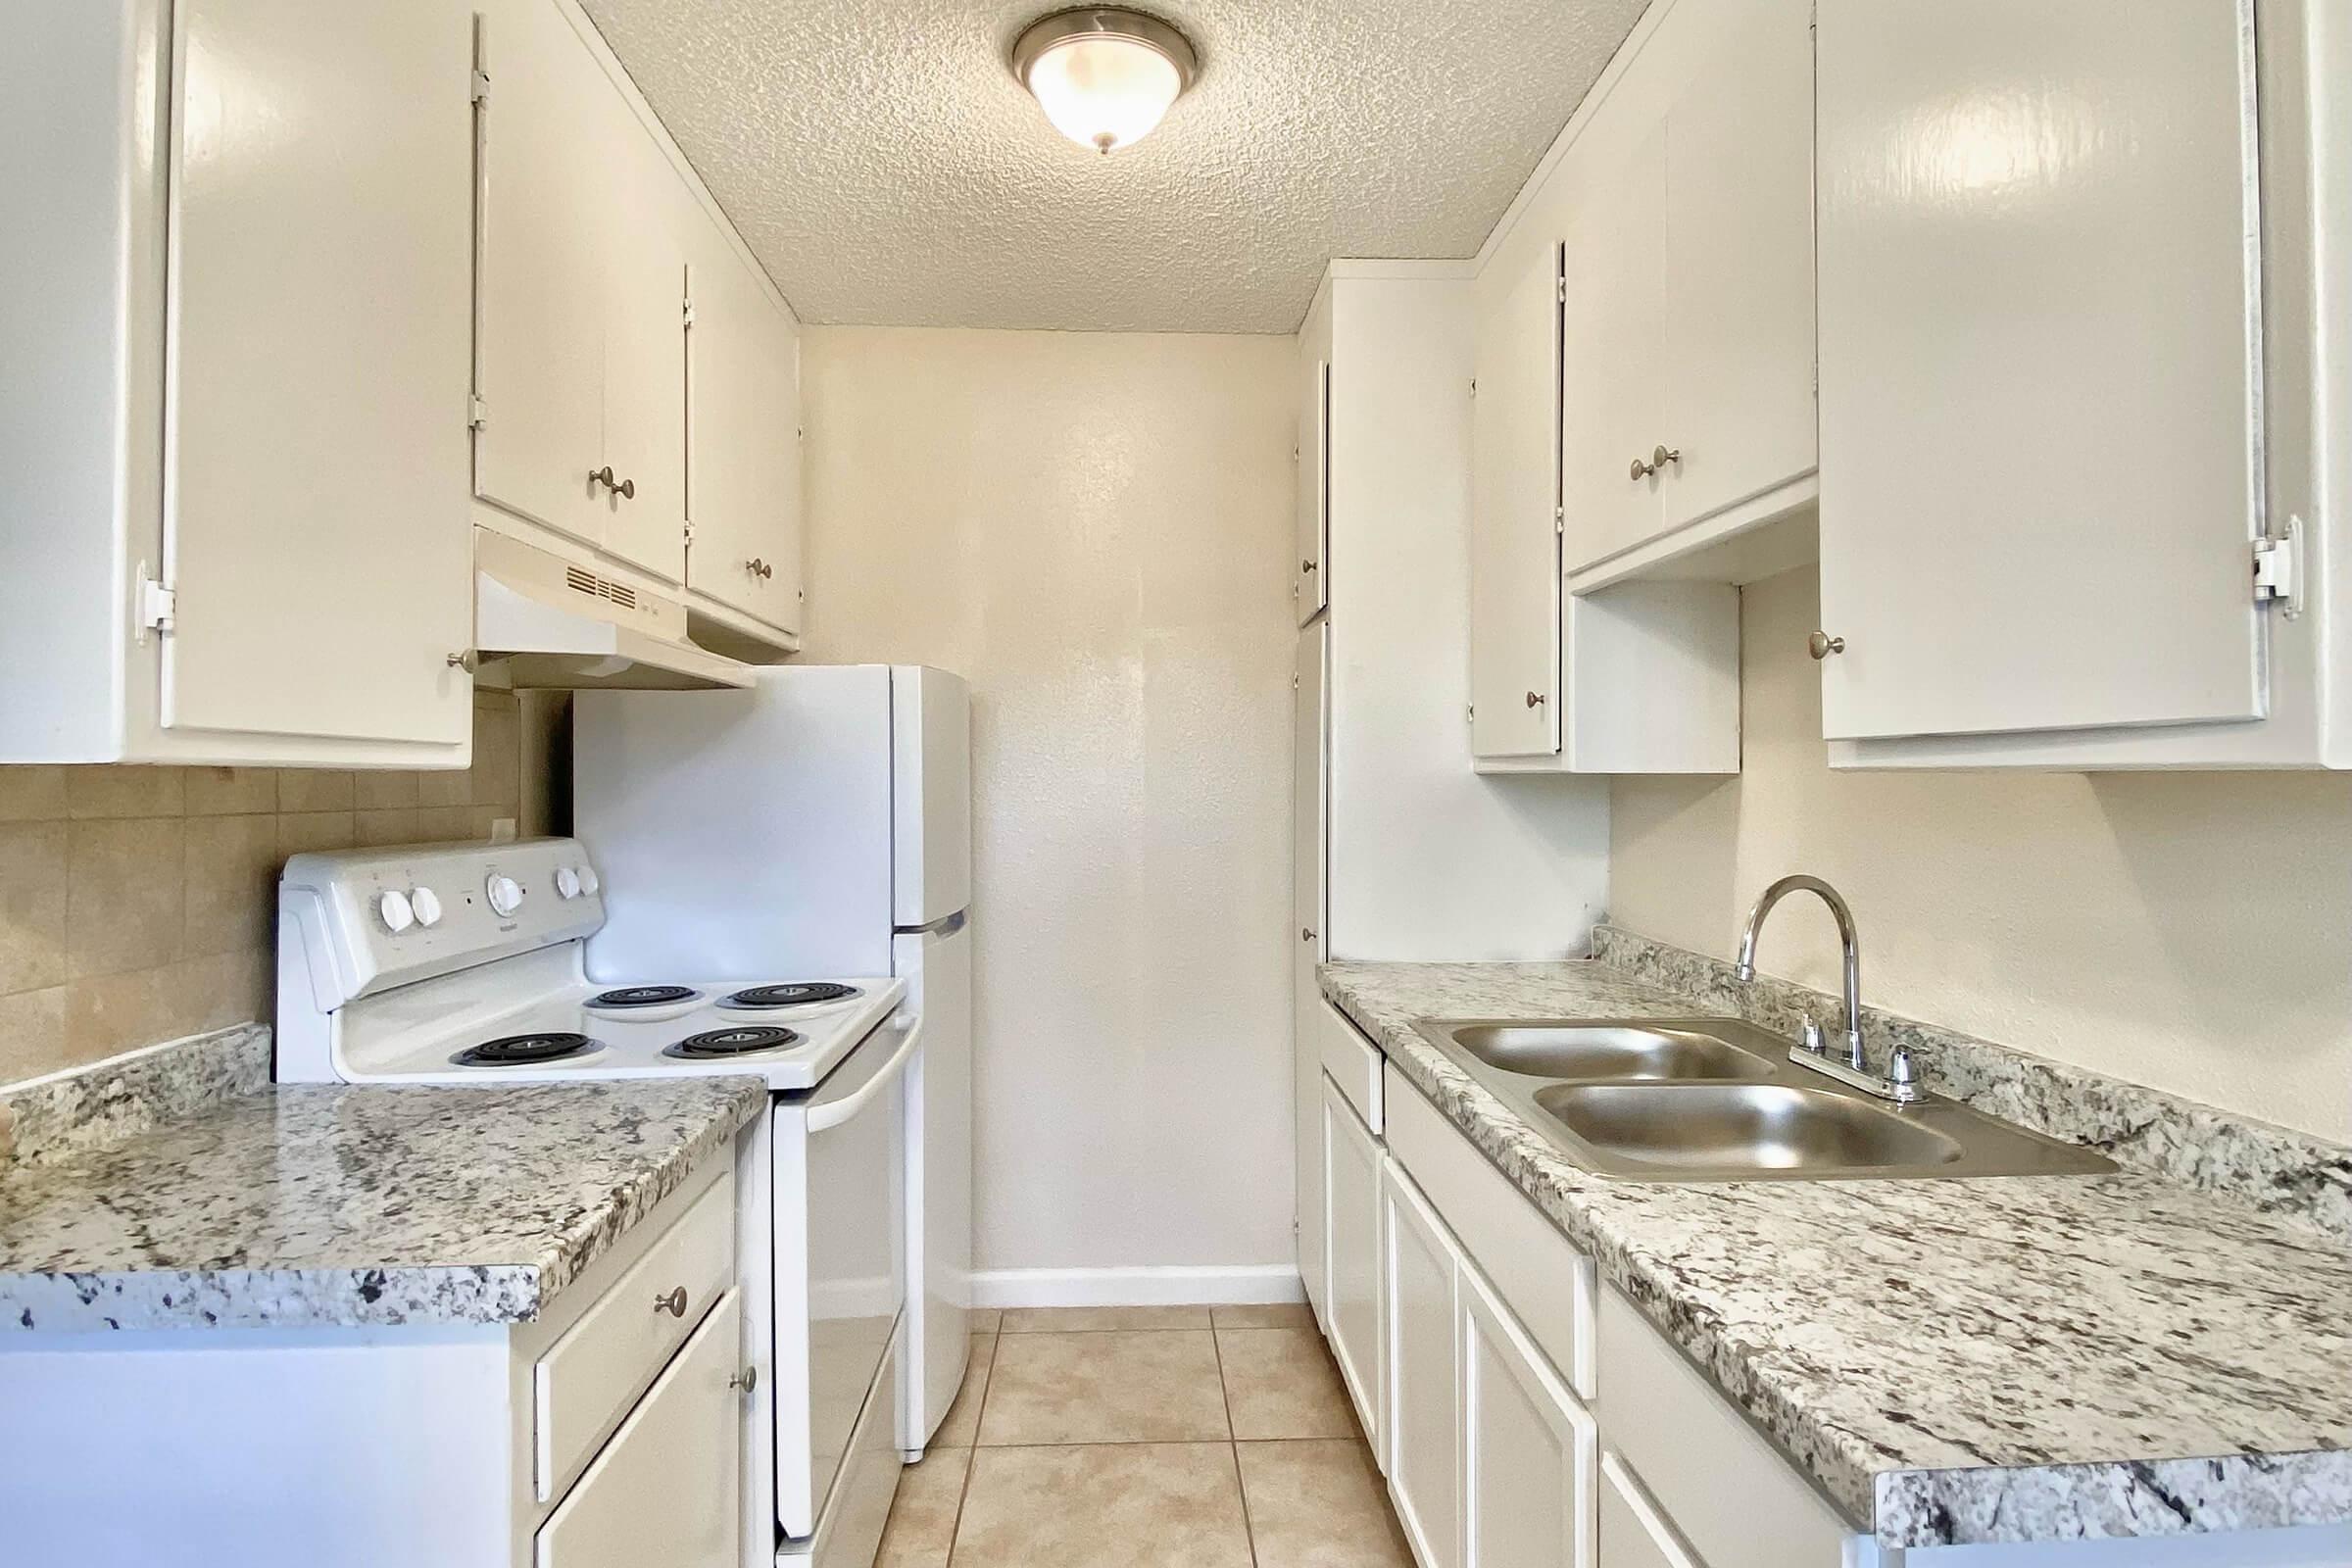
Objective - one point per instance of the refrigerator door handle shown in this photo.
(945, 925)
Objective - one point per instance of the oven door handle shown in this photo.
(824, 1116)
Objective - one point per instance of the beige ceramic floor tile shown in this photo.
(1131, 1506)
(1150, 1387)
(1282, 1383)
(1090, 1320)
(961, 1423)
(986, 1319)
(1318, 1505)
(1277, 1316)
(922, 1517)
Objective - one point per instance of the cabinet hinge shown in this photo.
(690, 313)
(1559, 520)
(2279, 570)
(1474, 386)
(478, 412)
(481, 85)
(158, 606)
(1469, 712)
(1560, 290)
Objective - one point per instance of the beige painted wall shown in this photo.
(2193, 931)
(1094, 529)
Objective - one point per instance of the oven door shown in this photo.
(840, 1164)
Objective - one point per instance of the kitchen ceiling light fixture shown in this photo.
(1103, 77)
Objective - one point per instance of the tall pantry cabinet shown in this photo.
(1399, 849)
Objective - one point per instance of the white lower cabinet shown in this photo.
(666, 1488)
(1351, 1269)
(1421, 1273)
(1632, 1535)
(1527, 1447)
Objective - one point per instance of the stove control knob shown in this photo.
(589, 883)
(503, 893)
(394, 911)
(427, 905)
(567, 882)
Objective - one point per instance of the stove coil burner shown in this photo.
(800, 994)
(516, 1051)
(628, 996)
(731, 1042)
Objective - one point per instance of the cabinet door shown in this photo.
(1633, 1533)
(645, 350)
(2040, 339)
(666, 1488)
(1737, 332)
(1514, 528)
(546, 230)
(1351, 1162)
(321, 191)
(1309, 718)
(1527, 1447)
(744, 442)
(1310, 581)
(1421, 1375)
(1612, 353)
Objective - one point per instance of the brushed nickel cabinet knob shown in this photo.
(1820, 645)
(1535, 699)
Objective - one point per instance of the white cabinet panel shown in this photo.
(666, 1488)
(2035, 222)
(645, 351)
(1631, 1533)
(745, 419)
(546, 229)
(1421, 1375)
(1309, 716)
(1738, 314)
(315, 506)
(1310, 579)
(1613, 367)
(1527, 1447)
(1351, 1162)
(1514, 530)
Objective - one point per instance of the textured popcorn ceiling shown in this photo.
(886, 168)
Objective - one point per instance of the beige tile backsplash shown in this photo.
(137, 904)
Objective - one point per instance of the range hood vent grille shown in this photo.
(582, 580)
(547, 622)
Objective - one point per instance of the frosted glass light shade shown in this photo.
(1105, 78)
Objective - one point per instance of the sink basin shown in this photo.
(1607, 1050)
(1743, 1127)
(1718, 1100)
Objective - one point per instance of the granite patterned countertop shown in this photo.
(331, 1204)
(1953, 1361)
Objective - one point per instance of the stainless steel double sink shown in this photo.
(1717, 1099)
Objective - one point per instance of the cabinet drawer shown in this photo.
(1353, 1064)
(666, 1488)
(1548, 1284)
(590, 1376)
(1725, 1490)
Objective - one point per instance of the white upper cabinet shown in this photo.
(1310, 581)
(744, 440)
(1514, 512)
(235, 408)
(2042, 388)
(582, 298)
(1687, 349)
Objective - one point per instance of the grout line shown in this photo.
(972, 1456)
(1233, 1452)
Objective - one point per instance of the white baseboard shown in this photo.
(1251, 1284)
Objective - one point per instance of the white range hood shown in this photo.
(552, 624)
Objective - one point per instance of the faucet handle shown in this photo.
(1902, 1071)
(1813, 1038)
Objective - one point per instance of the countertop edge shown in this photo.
(483, 1291)
(1899, 1507)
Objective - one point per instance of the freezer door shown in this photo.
(937, 967)
(931, 789)
(740, 833)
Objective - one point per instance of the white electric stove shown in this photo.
(465, 965)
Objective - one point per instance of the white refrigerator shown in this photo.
(817, 825)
